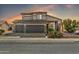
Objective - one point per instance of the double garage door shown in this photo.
(29, 29)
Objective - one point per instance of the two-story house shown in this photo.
(36, 24)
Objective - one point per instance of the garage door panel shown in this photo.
(35, 28)
(19, 28)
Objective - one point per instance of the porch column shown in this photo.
(47, 28)
(24, 28)
(56, 25)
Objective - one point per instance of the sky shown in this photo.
(11, 12)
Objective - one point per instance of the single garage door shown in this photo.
(19, 28)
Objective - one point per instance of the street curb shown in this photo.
(37, 40)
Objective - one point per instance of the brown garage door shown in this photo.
(34, 28)
(19, 28)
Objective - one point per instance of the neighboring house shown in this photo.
(36, 23)
(5, 26)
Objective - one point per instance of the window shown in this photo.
(34, 17)
(39, 16)
(44, 17)
(27, 17)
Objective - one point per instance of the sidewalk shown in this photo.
(37, 40)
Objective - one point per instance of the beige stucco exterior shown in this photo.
(37, 18)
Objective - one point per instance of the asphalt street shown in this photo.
(53, 48)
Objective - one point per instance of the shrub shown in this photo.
(49, 32)
(70, 25)
(50, 29)
(53, 33)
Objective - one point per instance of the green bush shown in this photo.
(1, 31)
(70, 25)
(53, 33)
(56, 34)
(50, 29)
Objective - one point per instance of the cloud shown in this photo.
(45, 8)
(69, 6)
(35, 8)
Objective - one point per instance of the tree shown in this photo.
(70, 25)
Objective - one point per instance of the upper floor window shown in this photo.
(39, 17)
(34, 17)
(27, 17)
